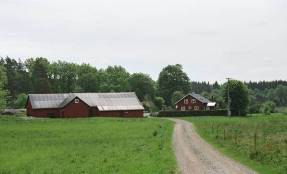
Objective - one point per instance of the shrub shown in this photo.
(191, 113)
(268, 107)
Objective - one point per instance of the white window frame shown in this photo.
(193, 101)
(77, 100)
(186, 101)
(196, 108)
(182, 108)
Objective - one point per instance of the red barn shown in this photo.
(84, 105)
(194, 102)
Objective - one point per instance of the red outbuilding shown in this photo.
(69, 105)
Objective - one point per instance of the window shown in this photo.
(189, 107)
(193, 101)
(182, 108)
(196, 108)
(176, 106)
(185, 101)
(76, 100)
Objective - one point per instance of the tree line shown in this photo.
(38, 75)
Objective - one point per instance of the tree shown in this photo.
(159, 102)
(3, 92)
(17, 79)
(142, 85)
(114, 79)
(171, 79)
(281, 95)
(239, 97)
(21, 101)
(268, 107)
(177, 95)
(89, 82)
(39, 75)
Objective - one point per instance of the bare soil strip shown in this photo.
(195, 156)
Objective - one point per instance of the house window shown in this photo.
(193, 101)
(189, 107)
(176, 106)
(185, 101)
(76, 100)
(182, 108)
(196, 108)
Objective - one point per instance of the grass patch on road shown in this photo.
(258, 141)
(90, 145)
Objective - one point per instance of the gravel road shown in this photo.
(195, 156)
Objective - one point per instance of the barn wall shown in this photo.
(136, 113)
(181, 103)
(41, 112)
(73, 109)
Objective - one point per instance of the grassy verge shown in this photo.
(93, 145)
(259, 142)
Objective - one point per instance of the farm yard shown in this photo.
(259, 142)
(90, 145)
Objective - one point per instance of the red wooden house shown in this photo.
(194, 102)
(84, 105)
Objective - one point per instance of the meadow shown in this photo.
(257, 141)
(93, 145)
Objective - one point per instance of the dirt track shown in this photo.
(195, 156)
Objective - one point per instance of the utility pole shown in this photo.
(228, 98)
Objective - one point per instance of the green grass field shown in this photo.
(258, 141)
(93, 145)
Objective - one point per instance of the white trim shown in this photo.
(182, 108)
(77, 100)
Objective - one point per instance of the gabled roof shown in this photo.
(196, 96)
(104, 101)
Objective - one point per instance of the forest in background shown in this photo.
(38, 75)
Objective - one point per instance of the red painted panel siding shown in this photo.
(136, 113)
(73, 109)
(41, 112)
(190, 105)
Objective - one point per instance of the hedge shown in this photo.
(192, 113)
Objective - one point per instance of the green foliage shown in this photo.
(115, 79)
(171, 79)
(142, 85)
(177, 95)
(90, 145)
(21, 101)
(268, 107)
(17, 79)
(174, 113)
(236, 137)
(281, 95)
(238, 95)
(39, 75)
(159, 102)
(3, 92)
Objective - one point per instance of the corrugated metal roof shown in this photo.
(196, 96)
(104, 101)
(200, 98)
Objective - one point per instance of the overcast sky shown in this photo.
(212, 39)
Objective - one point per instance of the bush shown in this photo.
(21, 101)
(191, 113)
(268, 107)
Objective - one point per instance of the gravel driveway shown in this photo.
(195, 156)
